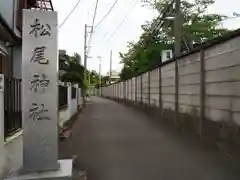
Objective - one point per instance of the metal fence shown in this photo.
(12, 106)
(62, 96)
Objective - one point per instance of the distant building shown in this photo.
(114, 77)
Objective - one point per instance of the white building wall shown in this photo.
(64, 116)
(71, 109)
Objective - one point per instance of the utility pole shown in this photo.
(100, 77)
(110, 72)
(178, 28)
(85, 47)
(177, 50)
(85, 60)
(86, 56)
(89, 83)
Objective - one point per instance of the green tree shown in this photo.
(198, 26)
(74, 71)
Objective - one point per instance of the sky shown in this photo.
(71, 34)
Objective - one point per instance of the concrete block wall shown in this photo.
(113, 91)
(138, 89)
(118, 89)
(122, 90)
(189, 84)
(133, 89)
(115, 88)
(208, 84)
(145, 88)
(154, 87)
(168, 86)
(127, 90)
(222, 82)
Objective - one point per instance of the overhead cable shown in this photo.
(64, 21)
(122, 22)
(109, 11)
(93, 21)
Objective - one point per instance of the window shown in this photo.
(12, 106)
(169, 55)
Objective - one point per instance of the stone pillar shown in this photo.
(40, 99)
(40, 91)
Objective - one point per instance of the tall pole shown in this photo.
(177, 51)
(110, 72)
(85, 58)
(85, 47)
(89, 83)
(100, 78)
(178, 28)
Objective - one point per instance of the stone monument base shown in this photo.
(63, 173)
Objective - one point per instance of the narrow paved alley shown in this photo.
(116, 142)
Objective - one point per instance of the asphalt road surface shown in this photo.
(116, 142)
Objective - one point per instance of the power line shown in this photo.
(70, 13)
(121, 23)
(95, 13)
(109, 11)
(162, 16)
(93, 21)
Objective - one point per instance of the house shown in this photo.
(10, 80)
(11, 29)
(114, 77)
